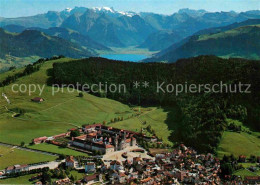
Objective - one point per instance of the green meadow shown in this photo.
(239, 144)
(11, 156)
(18, 180)
(57, 149)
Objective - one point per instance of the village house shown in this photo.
(115, 165)
(16, 169)
(92, 179)
(70, 162)
(242, 158)
(90, 168)
(252, 180)
(39, 140)
(62, 181)
(37, 99)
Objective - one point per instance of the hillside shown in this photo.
(201, 117)
(36, 43)
(239, 42)
(160, 40)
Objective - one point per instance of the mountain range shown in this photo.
(120, 29)
(81, 32)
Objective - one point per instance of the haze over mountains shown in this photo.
(92, 30)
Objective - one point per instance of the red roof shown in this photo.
(70, 159)
(40, 139)
(91, 177)
(115, 162)
(109, 146)
(92, 126)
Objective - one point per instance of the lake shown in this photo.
(125, 57)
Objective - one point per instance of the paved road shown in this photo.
(28, 149)
(51, 165)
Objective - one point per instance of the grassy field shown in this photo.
(155, 118)
(57, 149)
(239, 144)
(12, 156)
(243, 172)
(18, 180)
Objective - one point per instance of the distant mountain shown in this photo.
(228, 27)
(14, 28)
(49, 19)
(110, 30)
(36, 43)
(160, 40)
(239, 42)
(67, 34)
(187, 22)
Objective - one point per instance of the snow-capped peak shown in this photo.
(104, 9)
(112, 11)
(68, 9)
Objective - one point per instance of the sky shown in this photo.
(18, 8)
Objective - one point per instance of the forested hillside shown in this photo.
(201, 116)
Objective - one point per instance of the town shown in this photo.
(116, 156)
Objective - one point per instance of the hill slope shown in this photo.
(63, 33)
(240, 42)
(35, 43)
(201, 116)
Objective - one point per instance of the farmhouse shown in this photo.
(92, 178)
(90, 168)
(39, 140)
(16, 169)
(37, 99)
(70, 162)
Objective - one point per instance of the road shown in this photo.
(51, 165)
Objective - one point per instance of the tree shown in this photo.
(226, 169)
(62, 156)
(72, 178)
(46, 177)
(74, 133)
(81, 95)
(22, 143)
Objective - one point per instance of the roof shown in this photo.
(90, 164)
(92, 126)
(252, 178)
(37, 99)
(70, 159)
(146, 180)
(110, 146)
(40, 138)
(91, 177)
(115, 162)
